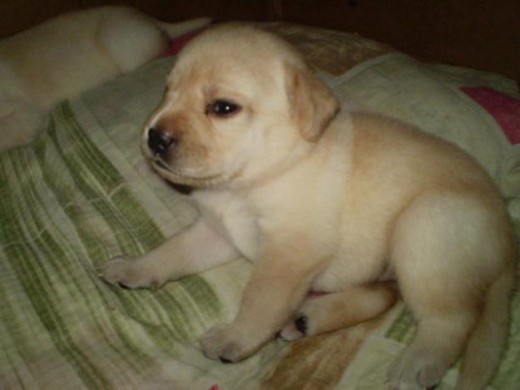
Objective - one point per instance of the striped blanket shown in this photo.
(81, 194)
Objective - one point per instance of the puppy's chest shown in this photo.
(233, 219)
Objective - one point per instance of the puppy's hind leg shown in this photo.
(443, 253)
(340, 310)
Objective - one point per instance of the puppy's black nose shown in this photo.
(159, 141)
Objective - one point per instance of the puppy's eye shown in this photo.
(223, 108)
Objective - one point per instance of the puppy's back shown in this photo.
(398, 154)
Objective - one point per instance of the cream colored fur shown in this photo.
(339, 202)
(69, 54)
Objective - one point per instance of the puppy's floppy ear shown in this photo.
(313, 105)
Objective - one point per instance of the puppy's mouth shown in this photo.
(158, 163)
(179, 177)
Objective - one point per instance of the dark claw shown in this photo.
(301, 324)
(224, 360)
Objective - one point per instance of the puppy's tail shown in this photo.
(174, 30)
(488, 339)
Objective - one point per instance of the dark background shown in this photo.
(480, 34)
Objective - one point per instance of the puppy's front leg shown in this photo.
(278, 285)
(193, 250)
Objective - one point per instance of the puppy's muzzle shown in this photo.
(160, 142)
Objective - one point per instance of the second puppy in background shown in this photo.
(69, 54)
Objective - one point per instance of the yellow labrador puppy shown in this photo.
(66, 55)
(332, 201)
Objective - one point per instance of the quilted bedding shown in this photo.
(81, 194)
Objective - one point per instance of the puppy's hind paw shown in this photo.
(296, 329)
(416, 372)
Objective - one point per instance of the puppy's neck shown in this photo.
(244, 181)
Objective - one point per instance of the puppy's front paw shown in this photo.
(225, 343)
(128, 273)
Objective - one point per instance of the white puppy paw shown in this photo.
(416, 372)
(225, 343)
(297, 328)
(128, 273)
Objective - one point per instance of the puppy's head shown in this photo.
(239, 103)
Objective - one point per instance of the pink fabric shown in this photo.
(315, 294)
(177, 44)
(505, 109)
